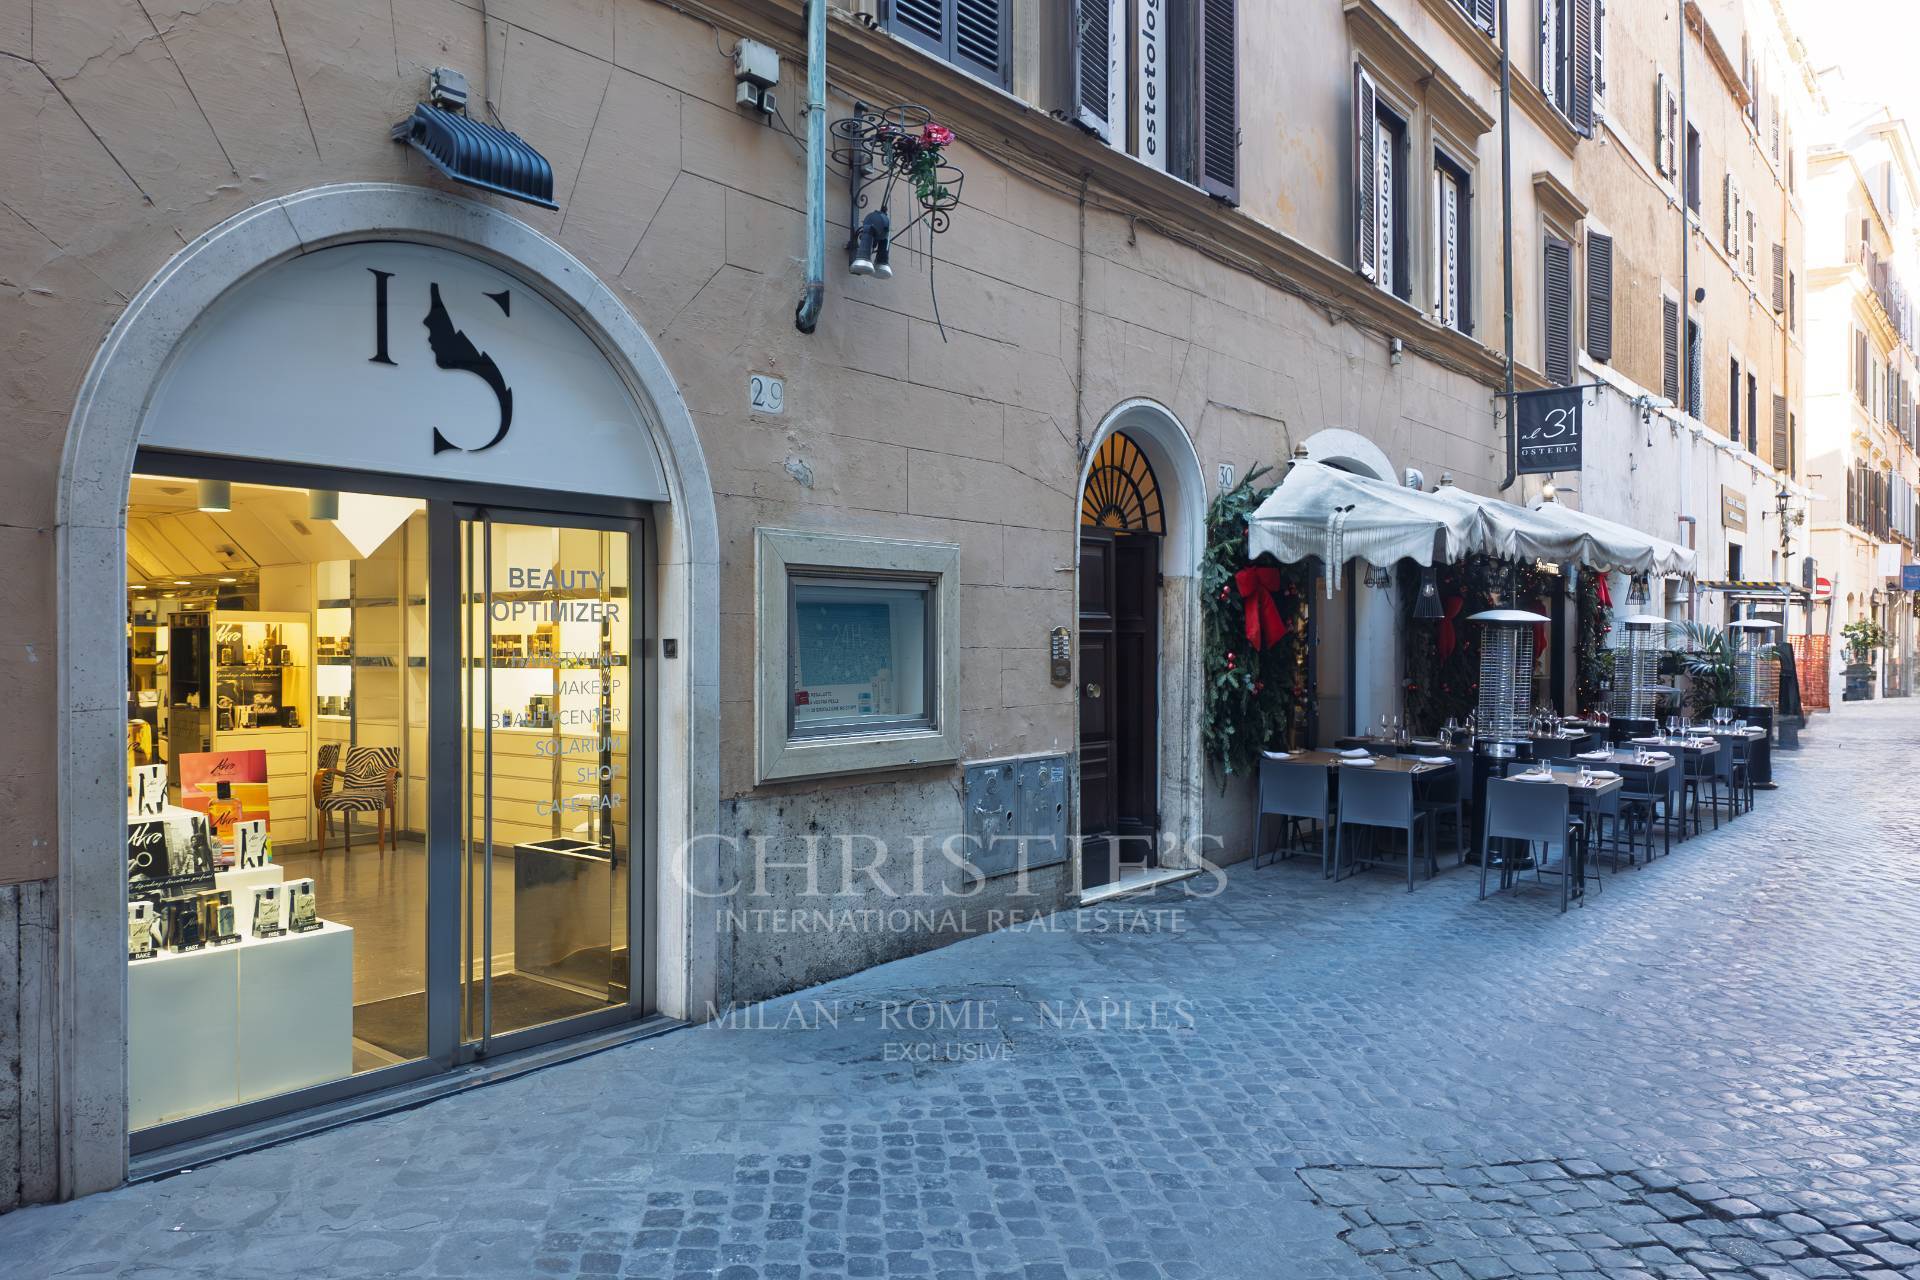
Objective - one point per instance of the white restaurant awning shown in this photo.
(1319, 511)
(1602, 544)
(1549, 531)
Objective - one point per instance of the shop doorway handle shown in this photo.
(1093, 690)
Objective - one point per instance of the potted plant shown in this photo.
(1705, 655)
(1862, 637)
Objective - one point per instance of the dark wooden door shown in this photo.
(1119, 702)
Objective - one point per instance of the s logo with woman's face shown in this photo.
(452, 349)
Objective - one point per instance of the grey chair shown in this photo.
(1539, 814)
(1642, 792)
(1698, 772)
(1294, 793)
(1440, 792)
(1374, 798)
(1729, 769)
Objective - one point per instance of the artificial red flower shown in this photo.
(936, 135)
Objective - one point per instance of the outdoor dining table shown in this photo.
(1390, 764)
(1759, 756)
(1581, 795)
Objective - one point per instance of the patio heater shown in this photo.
(1636, 667)
(1756, 670)
(1505, 710)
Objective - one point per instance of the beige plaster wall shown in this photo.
(1628, 199)
(125, 138)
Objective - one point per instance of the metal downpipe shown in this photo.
(807, 314)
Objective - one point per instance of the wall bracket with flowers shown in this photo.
(898, 180)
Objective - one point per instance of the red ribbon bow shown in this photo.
(1257, 584)
(1446, 638)
(1602, 592)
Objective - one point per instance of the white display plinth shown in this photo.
(242, 883)
(296, 1011)
(183, 1014)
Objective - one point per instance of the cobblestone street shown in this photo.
(1710, 1070)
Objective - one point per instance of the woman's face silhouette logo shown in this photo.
(452, 349)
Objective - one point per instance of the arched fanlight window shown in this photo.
(1122, 494)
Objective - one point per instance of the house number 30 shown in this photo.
(766, 394)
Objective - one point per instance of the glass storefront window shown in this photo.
(311, 898)
(277, 764)
(861, 656)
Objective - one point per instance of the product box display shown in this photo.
(139, 929)
(251, 845)
(268, 919)
(303, 911)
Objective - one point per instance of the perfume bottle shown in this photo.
(266, 910)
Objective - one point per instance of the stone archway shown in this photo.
(102, 438)
(1372, 660)
(1181, 768)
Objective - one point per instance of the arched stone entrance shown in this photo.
(103, 437)
(1358, 667)
(1168, 797)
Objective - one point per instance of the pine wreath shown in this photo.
(1256, 679)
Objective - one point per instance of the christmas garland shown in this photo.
(1443, 654)
(1254, 629)
(1593, 660)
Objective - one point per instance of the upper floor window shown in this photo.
(1567, 60)
(1599, 296)
(1452, 245)
(1380, 188)
(1482, 13)
(973, 35)
(1159, 79)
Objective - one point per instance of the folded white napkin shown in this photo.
(1603, 774)
(1277, 755)
(1659, 755)
(1436, 760)
(1652, 739)
(1534, 777)
(1595, 755)
(1366, 761)
(1357, 753)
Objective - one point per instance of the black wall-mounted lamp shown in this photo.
(471, 151)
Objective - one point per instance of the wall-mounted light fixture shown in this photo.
(215, 495)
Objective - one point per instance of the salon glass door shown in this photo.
(551, 766)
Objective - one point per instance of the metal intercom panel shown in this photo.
(1008, 800)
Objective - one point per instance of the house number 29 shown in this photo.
(766, 394)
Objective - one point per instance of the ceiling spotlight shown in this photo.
(136, 586)
(215, 495)
(229, 579)
(323, 504)
(182, 582)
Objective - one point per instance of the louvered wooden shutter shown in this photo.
(1782, 446)
(1483, 16)
(1775, 109)
(1217, 44)
(980, 37)
(1696, 374)
(971, 34)
(1366, 172)
(1779, 277)
(1600, 296)
(1582, 95)
(1670, 349)
(1098, 29)
(1730, 218)
(1665, 117)
(1558, 282)
(924, 22)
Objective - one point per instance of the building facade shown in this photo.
(654, 647)
(1862, 187)
(1694, 288)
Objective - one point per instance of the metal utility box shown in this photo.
(1006, 801)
